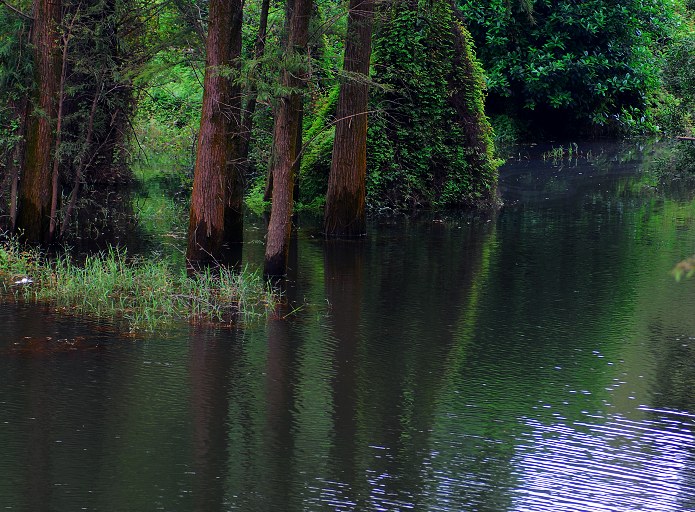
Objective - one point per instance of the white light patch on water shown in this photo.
(616, 465)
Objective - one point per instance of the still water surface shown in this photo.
(537, 359)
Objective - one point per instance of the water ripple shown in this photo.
(617, 465)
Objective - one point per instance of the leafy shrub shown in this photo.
(575, 66)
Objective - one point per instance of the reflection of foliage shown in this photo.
(677, 163)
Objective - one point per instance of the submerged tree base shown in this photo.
(146, 294)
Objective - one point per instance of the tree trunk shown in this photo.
(234, 206)
(210, 201)
(345, 199)
(35, 193)
(285, 148)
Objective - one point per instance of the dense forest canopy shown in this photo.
(320, 104)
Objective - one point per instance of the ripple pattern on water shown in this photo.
(616, 465)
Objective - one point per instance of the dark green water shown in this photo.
(538, 359)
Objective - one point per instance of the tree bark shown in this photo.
(234, 170)
(35, 192)
(345, 199)
(210, 201)
(285, 148)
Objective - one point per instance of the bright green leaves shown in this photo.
(596, 61)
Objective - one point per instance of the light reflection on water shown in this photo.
(610, 464)
(538, 359)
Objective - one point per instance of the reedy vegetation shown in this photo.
(146, 294)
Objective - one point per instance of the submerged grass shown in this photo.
(144, 293)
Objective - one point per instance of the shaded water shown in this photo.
(538, 359)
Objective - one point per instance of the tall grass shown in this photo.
(144, 293)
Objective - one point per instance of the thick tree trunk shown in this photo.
(285, 148)
(234, 206)
(35, 192)
(210, 201)
(345, 199)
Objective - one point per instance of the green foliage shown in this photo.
(679, 78)
(254, 197)
(318, 139)
(595, 63)
(430, 143)
(166, 124)
(507, 130)
(16, 68)
(676, 164)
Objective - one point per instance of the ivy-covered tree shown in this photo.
(430, 143)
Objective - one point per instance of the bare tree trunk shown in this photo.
(285, 148)
(268, 193)
(210, 182)
(345, 199)
(35, 187)
(13, 194)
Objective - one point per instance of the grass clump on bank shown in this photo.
(144, 293)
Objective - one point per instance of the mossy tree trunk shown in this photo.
(345, 200)
(285, 136)
(212, 186)
(33, 219)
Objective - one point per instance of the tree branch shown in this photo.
(16, 11)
